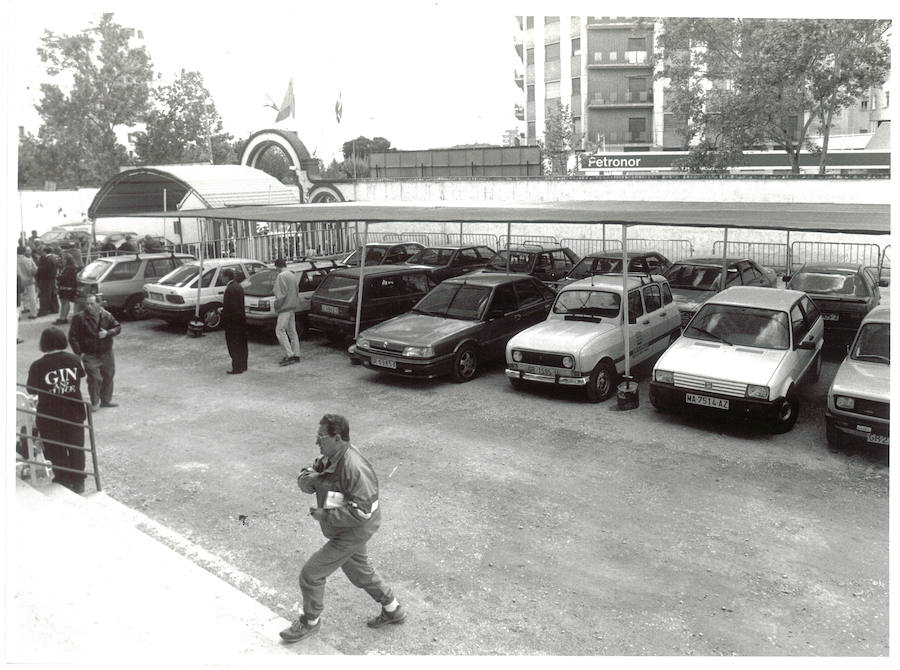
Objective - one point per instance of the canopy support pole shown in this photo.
(625, 303)
(359, 291)
(508, 235)
(725, 261)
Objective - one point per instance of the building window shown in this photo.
(551, 52)
(551, 19)
(576, 46)
(551, 89)
(531, 136)
(637, 44)
(529, 56)
(529, 22)
(530, 93)
(864, 105)
(637, 126)
(576, 85)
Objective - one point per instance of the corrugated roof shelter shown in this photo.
(172, 187)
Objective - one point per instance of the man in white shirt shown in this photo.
(287, 301)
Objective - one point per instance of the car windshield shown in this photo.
(335, 287)
(181, 276)
(52, 235)
(374, 256)
(588, 266)
(455, 301)
(588, 303)
(432, 257)
(260, 283)
(829, 283)
(873, 343)
(95, 270)
(519, 261)
(744, 326)
(697, 277)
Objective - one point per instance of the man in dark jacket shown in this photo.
(46, 283)
(235, 322)
(346, 508)
(91, 335)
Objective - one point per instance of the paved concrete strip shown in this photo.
(85, 583)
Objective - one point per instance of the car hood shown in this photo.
(418, 329)
(559, 335)
(863, 379)
(690, 298)
(746, 365)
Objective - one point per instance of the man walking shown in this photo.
(91, 335)
(26, 269)
(287, 301)
(346, 508)
(234, 321)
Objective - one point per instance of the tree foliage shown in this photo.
(183, 125)
(744, 82)
(101, 82)
(560, 140)
(362, 146)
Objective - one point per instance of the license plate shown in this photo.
(156, 296)
(877, 439)
(706, 401)
(831, 317)
(330, 309)
(538, 370)
(384, 363)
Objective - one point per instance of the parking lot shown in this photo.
(514, 522)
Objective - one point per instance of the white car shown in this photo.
(174, 297)
(582, 343)
(743, 354)
(859, 399)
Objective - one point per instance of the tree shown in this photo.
(104, 83)
(744, 82)
(183, 126)
(560, 139)
(362, 146)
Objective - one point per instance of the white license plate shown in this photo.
(157, 296)
(831, 317)
(706, 401)
(384, 363)
(877, 439)
(538, 370)
(330, 309)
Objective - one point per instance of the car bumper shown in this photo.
(670, 397)
(558, 380)
(858, 430)
(405, 367)
(328, 324)
(173, 312)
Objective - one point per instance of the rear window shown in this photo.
(95, 270)
(829, 283)
(260, 284)
(519, 261)
(181, 277)
(336, 287)
(432, 257)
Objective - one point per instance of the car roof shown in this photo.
(378, 270)
(140, 256)
(487, 278)
(215, 262)
(758, 296)
(453, 246)
(391, 244)
(617, 253)
(611, 281)
(710, 260)
(881, 314)
(830, 267)
(533, 247)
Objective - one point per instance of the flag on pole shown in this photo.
(287, 105)
(338, 108)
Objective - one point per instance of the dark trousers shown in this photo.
(236, 340)
(100, 369)
(350, 557)
(47, 296)
(63, 454)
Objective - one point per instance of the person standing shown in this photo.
(68, 285)
(56, 379)
(234, 321)
(346, 490)
(26, 269)
(46, 282)
(287, 302)
(91, 336)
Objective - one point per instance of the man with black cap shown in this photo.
(234, 321)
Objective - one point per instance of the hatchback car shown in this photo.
(547, 262)
(695, 280)
(843, 292)
(66, 237)
(384, 253)
(606, 262)
(457, 325)
(174, 297)
(743, 355)
(259, 292)
(387, 291)
(452, 260)
(582, 342)
(120, 279)
(859, 399)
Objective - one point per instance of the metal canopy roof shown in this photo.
(814, 217)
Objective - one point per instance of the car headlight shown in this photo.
(844, 402)
(759, 392)
(362, 343)
(418, 352)
(517, 356)
(664, 376)
(568, 362)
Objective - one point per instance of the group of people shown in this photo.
(47, 280)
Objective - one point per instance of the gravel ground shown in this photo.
(514, 522)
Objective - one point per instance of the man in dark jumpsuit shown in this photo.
(346, 508)
(234, 320)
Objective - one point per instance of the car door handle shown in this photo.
(646, 323)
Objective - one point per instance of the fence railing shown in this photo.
(770, 254)
(27, 433)
(522, 239)
(834, 252)
(672, 249)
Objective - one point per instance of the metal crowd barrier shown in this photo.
(770, 254)
(520, 239)
(835, 252)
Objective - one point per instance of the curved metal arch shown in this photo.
(287, 141)
(102, 204)
(325, 192)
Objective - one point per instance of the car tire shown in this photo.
(787, 413)
(602, 382)
(134, 308)
(212, 317)
(465, 364)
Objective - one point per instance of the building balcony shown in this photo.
(630, 99)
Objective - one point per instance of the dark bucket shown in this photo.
(627, 395)
(195, 328)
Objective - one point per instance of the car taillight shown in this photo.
(175, 299)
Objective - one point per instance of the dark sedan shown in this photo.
(547, 262)
(459, 323)
(843, 292)
(384, 253)
(607, 262)
(452, 260)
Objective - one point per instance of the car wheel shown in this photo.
(601, 382)
(465, 364)
(134, 308)
(212, 317)
(816, 369)
(787, 413)
(302, 325)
